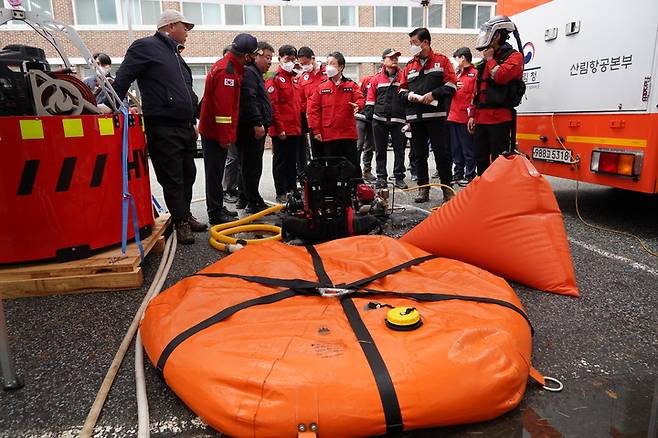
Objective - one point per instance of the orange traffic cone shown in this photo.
(508, 222)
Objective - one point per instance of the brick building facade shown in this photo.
(361, 32)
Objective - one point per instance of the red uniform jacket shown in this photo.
(501, 73)
(463, 98)
(221, 101)
(286, 112)
(329, 111)
(307, 84)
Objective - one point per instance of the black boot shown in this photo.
(423, 195)
(184, 233)
(447, 194)
(195, 225)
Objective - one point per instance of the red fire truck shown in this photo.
(589, 113)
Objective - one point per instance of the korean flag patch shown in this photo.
(282, 79)
(271, 89)
(229, 82)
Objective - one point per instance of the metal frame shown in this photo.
(47, 28)
(11, 380)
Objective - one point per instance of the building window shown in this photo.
(44, 7)
(405, 17)
(351, 71)
(199, 72)
(109, 11)
(217, 14)
(143, 11)
(96, 12)
(475, 14)
(240, 15)
(314, 16)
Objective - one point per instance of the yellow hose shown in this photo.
(220, 234)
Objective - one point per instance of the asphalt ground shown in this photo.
(602, 346)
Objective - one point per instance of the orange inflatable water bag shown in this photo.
(508, 222)
(354, 337)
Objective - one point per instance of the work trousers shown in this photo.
(345, 147)
(250, 153)
(364, 144)
(380, 133)
(284, 162)
(489, 142)
(172, 150)
(433, 131)
(463, 158)
(232, 170)
(214, 162)
(303, 153)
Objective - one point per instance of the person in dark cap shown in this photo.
(386, 110)
(255, 118)
(461, 141)
(170, 108)
(219, 120)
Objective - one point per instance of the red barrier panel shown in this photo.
(61, 185)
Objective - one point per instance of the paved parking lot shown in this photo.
(602, 346)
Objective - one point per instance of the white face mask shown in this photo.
(288, 66)
(415, 50)
(331, 71)
(307, 68)
(106, 70)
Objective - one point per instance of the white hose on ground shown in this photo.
(90, 422)
(414, 208)
(143, 430)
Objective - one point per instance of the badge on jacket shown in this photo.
(282, 79)
(325, 91)
(306, 77)
(270, 89)
(348, 89)
(229, 82)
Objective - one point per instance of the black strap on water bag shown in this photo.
(393, 270)
(433, 297)
(218, 317)
(295, 283)
(318, 267)
(385, 386)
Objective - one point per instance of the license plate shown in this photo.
(550, 154)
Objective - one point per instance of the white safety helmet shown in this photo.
(489, 29)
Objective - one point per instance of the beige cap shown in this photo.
(170, 16)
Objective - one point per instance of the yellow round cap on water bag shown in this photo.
(403, 318)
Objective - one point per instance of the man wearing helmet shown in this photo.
(491, 115)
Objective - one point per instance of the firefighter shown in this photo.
(286, 129)
(427, 84)
(219, 120)
(331, 110)
(385, 108)
(461, 141)
(492, 113)
(312, 75)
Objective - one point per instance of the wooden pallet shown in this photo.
(104, 271)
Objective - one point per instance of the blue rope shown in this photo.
(128, 202)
